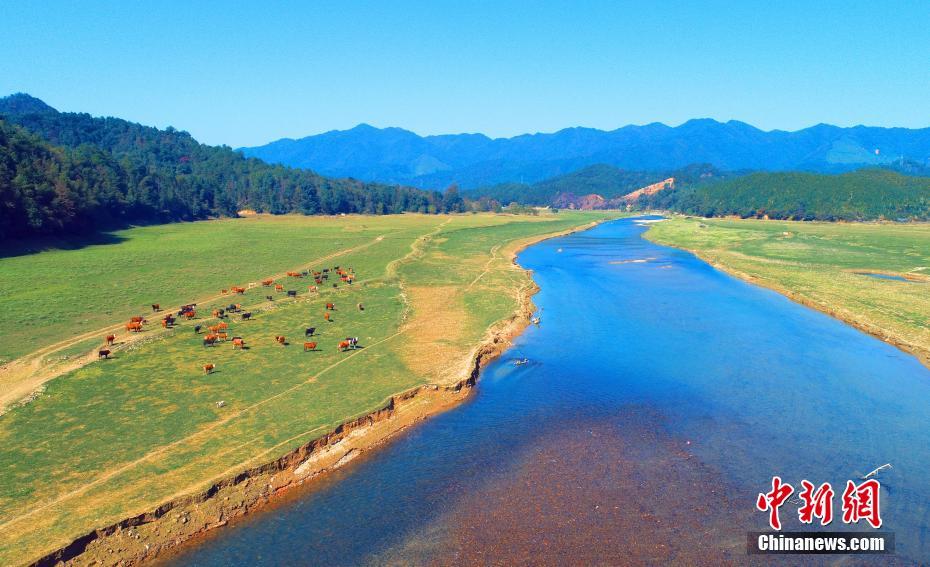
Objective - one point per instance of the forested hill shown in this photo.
(69, 172)
(603, 180)
(868, 194)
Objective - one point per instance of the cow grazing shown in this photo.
(280, 340)
(267, 283)
(222, 336)
(164, 323)
(330, 306)
(361, 307)
(279, 287)
(137, 319)
(197, 329)
(238, 343)
(103, 353)
(223, 325)
(269, 297)
(156, 307)
(135, 327)
(308, 332)
(309, 346)
(247, 315)
(326, 316)
(344, 346)
(214, 328)
(224, 291)
(311, 289)
(190, 314)
(208, 368)
(110, 339)
(209, 340)
(291, 293)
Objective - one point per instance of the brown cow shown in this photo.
(280, 340)
(222, 336)
(208, 340)
(110, 339)
(312, 288)
(137, 319)
(214, 328)
(156, 307)
(216, 313)
(224, 291)
(326, 315)
(103, 353)
(164, 323)
(239, 290)
(309, 346)
(135, 327)
(238, 343)
(279, 287)
(344, 345)
(330, 306)
(190, 314)
(208, 368)
(223, 325)
(267, 283)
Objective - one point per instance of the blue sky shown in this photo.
(246, 73)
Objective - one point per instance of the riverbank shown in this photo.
(184, 519)
(769, 254)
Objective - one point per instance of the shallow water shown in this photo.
(887, 277)
(660, 398)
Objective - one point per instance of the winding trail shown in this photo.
(23, 376)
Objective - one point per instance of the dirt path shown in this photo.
(25, 375)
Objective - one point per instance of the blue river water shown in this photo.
(660, 398)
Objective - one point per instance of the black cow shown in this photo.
(291, 293)
(309, 331)
(197, 329)
(246, 315)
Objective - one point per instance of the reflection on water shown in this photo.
(660, 398)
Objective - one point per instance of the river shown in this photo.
(660, 398)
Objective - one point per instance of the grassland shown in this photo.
(117, 437)
(825, 266)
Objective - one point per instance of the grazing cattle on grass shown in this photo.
(269, 297)
(361, 307)
(304, 273)
(208, 368)
(279, 287)
(353, 342)
(326, 315)
(222, 336)
(309, 346)
(330, 306)
(267, 283)
(137, 319)
(247, 315)
(291, 293)
(197, 329)
(103, 353)
(135, 327)
(209, 340)
(238, 343)
(343, 346)
(308, 332)
(312, 289)
(110, 339)
(223, 325)
(214, 328)
(156, 307)
(164, 323)
(190, 314)
(216, 313)
(280, 340)
(293, 274)
(239, 290)
(224, 291)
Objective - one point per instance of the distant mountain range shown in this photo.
(394, 155)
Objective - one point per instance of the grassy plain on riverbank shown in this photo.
(826, 266)
(117, 437)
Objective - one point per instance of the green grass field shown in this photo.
(119, 436)
(824, 264)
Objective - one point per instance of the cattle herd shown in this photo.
(218, 332)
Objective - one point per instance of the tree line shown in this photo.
(64, 173)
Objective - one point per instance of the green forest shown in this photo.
(867, 194)
(64, 173)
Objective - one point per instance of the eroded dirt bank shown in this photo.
(151, 534)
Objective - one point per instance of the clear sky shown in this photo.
(247, 73)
